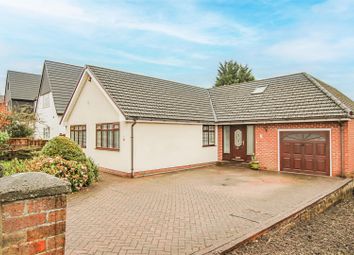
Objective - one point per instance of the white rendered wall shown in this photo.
(92, 107)
(47, 117)
(156, 145)
(169, 145)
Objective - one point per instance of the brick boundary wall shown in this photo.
(33, 214)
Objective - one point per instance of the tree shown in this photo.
(20, 123)
(231, 72)
(4, 117)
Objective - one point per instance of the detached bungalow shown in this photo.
(135, 125)
(21, 90)
(56, 87)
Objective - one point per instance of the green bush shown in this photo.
(92, 170)
(4, 138)
(17, 129)
(13, 167)
(62, 158)
(65, 148)
(76, 173)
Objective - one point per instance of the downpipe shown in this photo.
(341, 149)
(132, 149)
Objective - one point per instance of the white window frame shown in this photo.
(308, 129)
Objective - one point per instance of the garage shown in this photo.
(305, 152)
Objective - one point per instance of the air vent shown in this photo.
(259, 90)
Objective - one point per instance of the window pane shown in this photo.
(110, 138)
(205, 138)
(98, 139)
(211, 128)
(116, 139)
(211, 138)
(104, 139)
(80, 138)
(84, 139)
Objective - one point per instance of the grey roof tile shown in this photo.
(145, 97)
(287, 97)
(23, 86)
(63, 79)
(338, 95)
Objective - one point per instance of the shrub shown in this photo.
(13, 167)
(4, 138)
(17, 129)
(65, 148)
(76, 173)
(79, 174)
(92, 170)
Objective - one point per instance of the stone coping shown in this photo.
(31, 185)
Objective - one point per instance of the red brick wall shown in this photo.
(220, 143)
(349, 155)
(34, 226)
(266, 148)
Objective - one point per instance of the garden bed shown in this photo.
(328, 233)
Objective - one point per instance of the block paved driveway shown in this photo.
(180, 213)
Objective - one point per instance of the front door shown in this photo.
(238, 143)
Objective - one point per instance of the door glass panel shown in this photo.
(238, 137)
(226, 139)
(304, 137)
(250, 140)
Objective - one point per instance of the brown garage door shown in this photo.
(305, 152)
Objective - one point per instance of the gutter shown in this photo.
(132, 149)
(278, 121)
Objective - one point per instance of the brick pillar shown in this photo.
(33, 213)
(220, 143)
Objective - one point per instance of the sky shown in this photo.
(182, 40)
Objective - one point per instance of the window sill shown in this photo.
(106, 149)
(209, 145)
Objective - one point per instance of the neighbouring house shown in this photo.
(56, 87)
(21, 90)
(135, 125)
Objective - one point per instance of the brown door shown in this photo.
(238, 142)
(305, 152)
